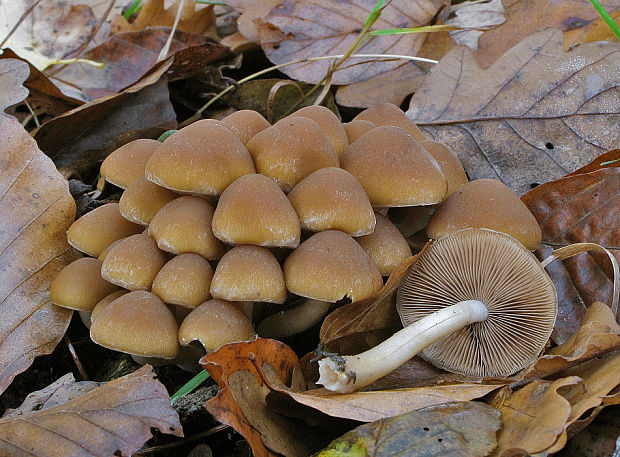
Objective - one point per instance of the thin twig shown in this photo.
(76, 359)
(34, 115)
(198, 436)
(166, 48)
(21, 19)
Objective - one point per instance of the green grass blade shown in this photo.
(426, 28)
(208, 2)
(606, 17)
(374, 14)
(604, 164)
(133, 9)
(190, 385)
(165, 135)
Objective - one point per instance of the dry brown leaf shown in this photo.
(610, 159)
(251, 10)
(537, 114)
(154, 13)
(129, 56)
(597, 30)
(526, 17)
(394, 85)
(35, 209)
(579, 208)
(116, 417)
(303, 29)
(533, 418)
(78, 138)
(456, 429)
(13, 73)
(473, 17)
(243, 370)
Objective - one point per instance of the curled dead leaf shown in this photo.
(13, 73)
(36, 209)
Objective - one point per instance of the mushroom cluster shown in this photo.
(227, 213)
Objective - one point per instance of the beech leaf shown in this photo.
(454, 429)
(537, 114)
(115, 418)
(36, 209)
(13, 73)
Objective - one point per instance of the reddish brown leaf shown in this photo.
(79, 137)
(243, 371)
(35, 209)
(525, 17)
(116, 417)
(251, 10)
(303, 29)
(13, 73)
(537, 114)
(597, 30)
(583, 207)
(610, 159)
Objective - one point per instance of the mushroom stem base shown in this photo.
(350, 373)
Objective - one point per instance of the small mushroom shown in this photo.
(449, 163)
(357, 128)
(328, 122)
(475, 302)
(386, 113)
(143, 199)
(126, 164)
(245, 124)
(184, 280)
(104, 302)
(486, 203)
(294, 320)
(331, 198)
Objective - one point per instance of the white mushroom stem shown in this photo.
(350, 373)
(292, 321)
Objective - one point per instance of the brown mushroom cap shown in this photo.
(328, 122)
(386, 246)
(95, 231)
(215, 323)
(184, 280)
(254, 210)
(126, 164)
(394, 169)
(184, 225)
(143, 199)
(202, 158)
(357, 128)
(290, 150)
(329, 266)
(134, 262)
(249, 273)
(495, 269)
(486, 203)
(137, 323)
(388, 114)
(245, 124)
(331, 198)
(79, 285)
(105, 301)
(449, 163)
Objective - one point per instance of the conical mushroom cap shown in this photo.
(249, 273)
(495, 269)
(137, 323)
(184, 225)
(126, 164)
(331, 198)
(143, 199)
(184, 280)
(328, 123)
(245, 124)
(290, 150)
(202, 158)
(330, 266)
(254, 210)
(486, 203)
(449, 163)
(357, 128)
(389, 114)
(394, 169)
(95, 231)
(215, 323)
(134, 262)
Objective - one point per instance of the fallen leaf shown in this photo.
(274, 98)
(474, 17)
(526, 17)
(578, 208)
(251, 10)
(597, 30)
(60, 391)
(242, 370)
(78, 138)
(394, 85)
(537, 114)
(533, 417)
(13, 73)
(114, 418)
(455, 429)
(36, 209)
(127, 57)
(153, 13)
(303, 29)
(609, 159)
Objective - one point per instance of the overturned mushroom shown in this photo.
(475, 302)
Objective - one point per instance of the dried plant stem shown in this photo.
(166, 48)
(351, 373)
